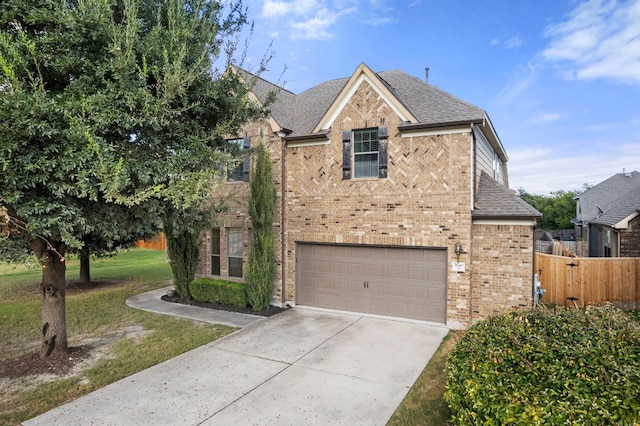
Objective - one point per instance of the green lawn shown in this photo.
(424, 404)
(139, 339)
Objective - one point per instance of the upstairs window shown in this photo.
(369, 153)
(365, 153)
(239, 172)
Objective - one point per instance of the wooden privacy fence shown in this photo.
(156, 243)
(590, 280)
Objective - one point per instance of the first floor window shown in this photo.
(215, 251)
(234, 239)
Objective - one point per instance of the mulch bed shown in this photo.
(57, 364)
(271, 310)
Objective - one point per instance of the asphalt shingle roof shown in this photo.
(302, 112)
(598, 199)
(620, 208)
(494, 200)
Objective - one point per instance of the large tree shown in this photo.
(108, 101)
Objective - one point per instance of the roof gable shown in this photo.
(363, 74)
(598, 199)
(620, 211)
(494, 201)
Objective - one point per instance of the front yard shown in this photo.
(108, 339)
(499, 357)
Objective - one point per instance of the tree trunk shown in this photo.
(52, 290)
(85, 267)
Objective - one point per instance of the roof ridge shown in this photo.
(439, 90)
(267, 81)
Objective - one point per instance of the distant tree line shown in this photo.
(558, 208)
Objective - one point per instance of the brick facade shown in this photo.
(502, 268)
(425, 200)
(630, 239)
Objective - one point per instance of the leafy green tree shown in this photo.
(557, 210)
(108, 102)
(262, 263)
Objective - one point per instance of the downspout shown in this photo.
(283, 187)
(471, 208)
(533, 266)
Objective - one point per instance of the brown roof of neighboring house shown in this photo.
(494, 201)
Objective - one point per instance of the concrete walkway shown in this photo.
(300, 367)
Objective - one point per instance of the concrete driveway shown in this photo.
(300, 367)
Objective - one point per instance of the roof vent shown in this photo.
(426, 74)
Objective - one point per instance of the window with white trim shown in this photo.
(364, 151)
(234, 251)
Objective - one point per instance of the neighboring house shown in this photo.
(608, 216)
(393, 199)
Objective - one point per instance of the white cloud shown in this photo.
(315, 28)
(510, 43)
(600, 39)
(276, 9)
(524, 77)
(513, 42)
(382, 20)
(317, 19)
(540, 171)
(546, 117)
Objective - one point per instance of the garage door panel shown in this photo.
(414, 273)
(437, 275)
(397, 290)
(396, 272)
(402, 282)
(377, 270)
(377, 288)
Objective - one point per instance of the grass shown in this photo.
(424, 404)
(97, 314)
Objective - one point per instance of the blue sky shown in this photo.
(560, 80)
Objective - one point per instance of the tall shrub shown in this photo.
(183, 252)
(262, 263)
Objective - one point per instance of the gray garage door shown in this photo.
(401, 282)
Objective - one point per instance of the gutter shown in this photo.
(313, 136)
(421, 126)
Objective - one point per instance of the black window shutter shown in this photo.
(383, 136)
(246, 163)
(346, 154)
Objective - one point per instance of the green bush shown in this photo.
(218, 291)
(564, 366)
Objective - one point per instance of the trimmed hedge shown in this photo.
(218, 291)
(537, 367)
